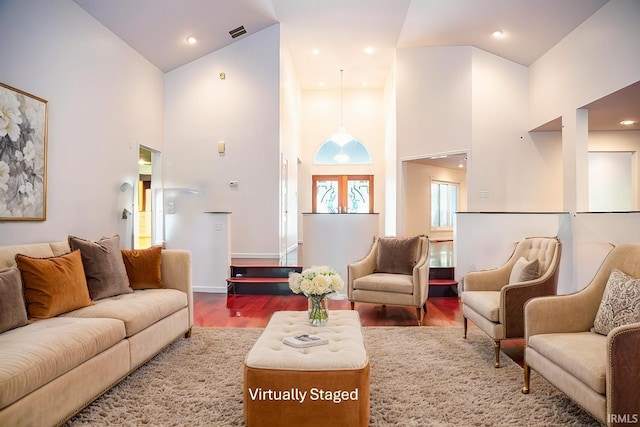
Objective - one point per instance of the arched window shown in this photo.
(353, 151)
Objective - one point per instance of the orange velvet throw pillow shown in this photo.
(143, 267)
(53, 285)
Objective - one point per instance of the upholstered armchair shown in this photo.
(394, 272)
(587, 344)
(494, 299)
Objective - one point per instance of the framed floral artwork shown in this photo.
(23, 156)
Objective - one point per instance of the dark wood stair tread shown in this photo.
(258, 279)
(442, 282)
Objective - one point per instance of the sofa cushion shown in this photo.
(34, 250)
(397, 255)
(583, 355)
(143, 267)
(137, 310)
(620, 304)
(13, 312)
(53, 285)
(487, 303)
(41, 351)
(384, 282)
(103, 266)
(524, 270)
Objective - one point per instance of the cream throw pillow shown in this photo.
(524, 270)
(620, 303)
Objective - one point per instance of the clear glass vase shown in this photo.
(318, 312)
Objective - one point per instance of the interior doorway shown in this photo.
(421, 173)
(148, 216)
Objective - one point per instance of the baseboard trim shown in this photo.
(255, 255)
(210, 289)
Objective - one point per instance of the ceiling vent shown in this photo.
(237, 32)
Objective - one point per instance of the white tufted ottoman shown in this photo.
(326, 385)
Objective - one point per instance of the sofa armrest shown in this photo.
(486, 280)
(623, 374)
(176, 273)
(365, 266)
(559, 314)
(421, 273)
(513, 298)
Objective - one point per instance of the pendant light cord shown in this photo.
(341, 103)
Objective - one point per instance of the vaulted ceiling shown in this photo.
(340, 30)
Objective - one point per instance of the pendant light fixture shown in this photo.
(342, 137)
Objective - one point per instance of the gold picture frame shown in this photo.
(23, 155)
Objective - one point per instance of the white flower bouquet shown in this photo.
(316, 281)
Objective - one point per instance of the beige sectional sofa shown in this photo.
(52, 368)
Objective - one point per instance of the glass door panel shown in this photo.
(327, 196)
(358, 191)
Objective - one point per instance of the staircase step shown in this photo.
(442, 282)
(258, 286)
(260, 279)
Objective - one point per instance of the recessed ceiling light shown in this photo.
(321, 84)
(627, 122)
(316, 52)
(368, 50)
(498, 33)
(191, 40)
(364, 83)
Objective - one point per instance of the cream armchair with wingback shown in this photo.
(394, 272)
(600, 371)
(494, 299)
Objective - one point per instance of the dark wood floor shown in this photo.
(254, 311)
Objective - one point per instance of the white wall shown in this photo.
(290, 138)
(465, 99)
(104, 100)
(591, 62)
(594, 60)
(433, 107)
(506, 161)
(363, 118)
(609, 181)
(626, 141)
(243, 110)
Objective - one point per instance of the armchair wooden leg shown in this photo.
(419, 313)
(527, 374)
(188, 333)
(353, 305)
(496, 349)
(464, 322)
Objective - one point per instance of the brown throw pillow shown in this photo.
(524, 270)
(397, 255)
(53, 285)
(620, 304)
(143, 267)
(13, 312)
(103, 266)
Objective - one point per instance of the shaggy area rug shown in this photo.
(420, 376)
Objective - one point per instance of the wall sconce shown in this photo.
(221, 147)
(126, 186)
